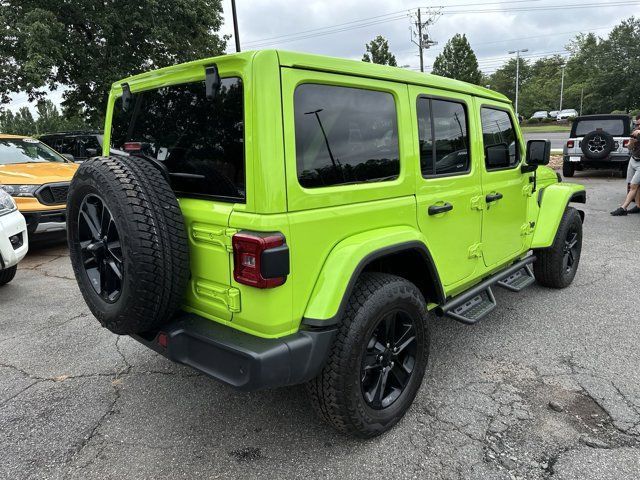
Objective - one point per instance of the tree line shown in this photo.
(601, 74)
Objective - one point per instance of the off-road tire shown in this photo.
(568, 170)
(604, 153)
(336, 393)
(153, 240)
(7, 275)
(548, 267)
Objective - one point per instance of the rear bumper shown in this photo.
(46, 221)
(243, 361)
(612, 161)
(12, 226)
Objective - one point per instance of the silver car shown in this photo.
(597, 141)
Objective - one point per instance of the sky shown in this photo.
(341, 28)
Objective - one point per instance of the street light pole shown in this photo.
(562, 86)
(518, 52)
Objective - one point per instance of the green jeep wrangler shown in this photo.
(284, 218)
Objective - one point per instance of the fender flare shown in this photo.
(349, 258)
(553, 204)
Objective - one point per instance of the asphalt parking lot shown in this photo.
(558, 139)
(548, 386)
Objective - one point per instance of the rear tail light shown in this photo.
(260, 260)
(132, 146)
(625, 143)
(163, 339)
(570, 144)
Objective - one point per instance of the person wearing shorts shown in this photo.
(633, 176)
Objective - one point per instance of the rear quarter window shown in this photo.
(345, 135)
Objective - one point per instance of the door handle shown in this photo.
(492, 197)
(436, 209)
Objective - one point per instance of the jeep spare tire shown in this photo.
(127, 243)
(597, 145)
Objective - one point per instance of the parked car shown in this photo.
(79, 144)
(38, 179)
(567, 114)
(554, 113)
(542, 114)
(596, 142)
(14, 242)
(366, 197)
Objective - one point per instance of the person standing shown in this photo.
(633, 175)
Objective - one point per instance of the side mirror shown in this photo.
(538, 152)
(497, 156)
(69, 157)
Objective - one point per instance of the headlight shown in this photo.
(20, 190)
(7, 205)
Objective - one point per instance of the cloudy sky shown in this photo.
(342, 27)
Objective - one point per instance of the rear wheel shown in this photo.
(7, 275)
(127, 243)
(556, 266)
(568, 170)
(378, 359)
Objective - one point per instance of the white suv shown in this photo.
(597, 141)
(14, 242)
(567, 114)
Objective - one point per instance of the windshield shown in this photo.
(614, 126)
(201, 141)
(26, 150)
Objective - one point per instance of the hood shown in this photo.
(37, 173)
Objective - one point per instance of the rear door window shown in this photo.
(345, 135)
(442, 133)
(201, 141)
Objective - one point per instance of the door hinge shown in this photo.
(527, 190)
(527, 228)
(210, 234)
(477, 203)
(475, 250)
(217, 293)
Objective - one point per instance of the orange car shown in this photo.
(37, 177)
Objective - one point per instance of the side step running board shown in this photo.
(471, 306)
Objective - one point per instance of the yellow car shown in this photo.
(37, 177)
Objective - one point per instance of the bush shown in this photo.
(549, 120)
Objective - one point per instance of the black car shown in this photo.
(79, 144)
(597, 141)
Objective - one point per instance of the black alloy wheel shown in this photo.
(101, 248)
(389, 360)
(571, 249)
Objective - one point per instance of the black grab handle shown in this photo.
(492, 197)
(436, 209)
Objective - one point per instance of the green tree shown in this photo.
(86, 45)
(615, 65)
(378, 52)
(541, 88)
(503, 80)
(458, 61)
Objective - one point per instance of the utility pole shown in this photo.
(581, 99)
(420, 36)
(236, 35)
(518, 52)
(562, 67)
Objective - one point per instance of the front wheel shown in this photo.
(7, 275)
(376, 365)
(556, 266)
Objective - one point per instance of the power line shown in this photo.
(399, 15)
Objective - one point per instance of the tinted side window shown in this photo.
(500, 141)
(345, 135)
(442, 133)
